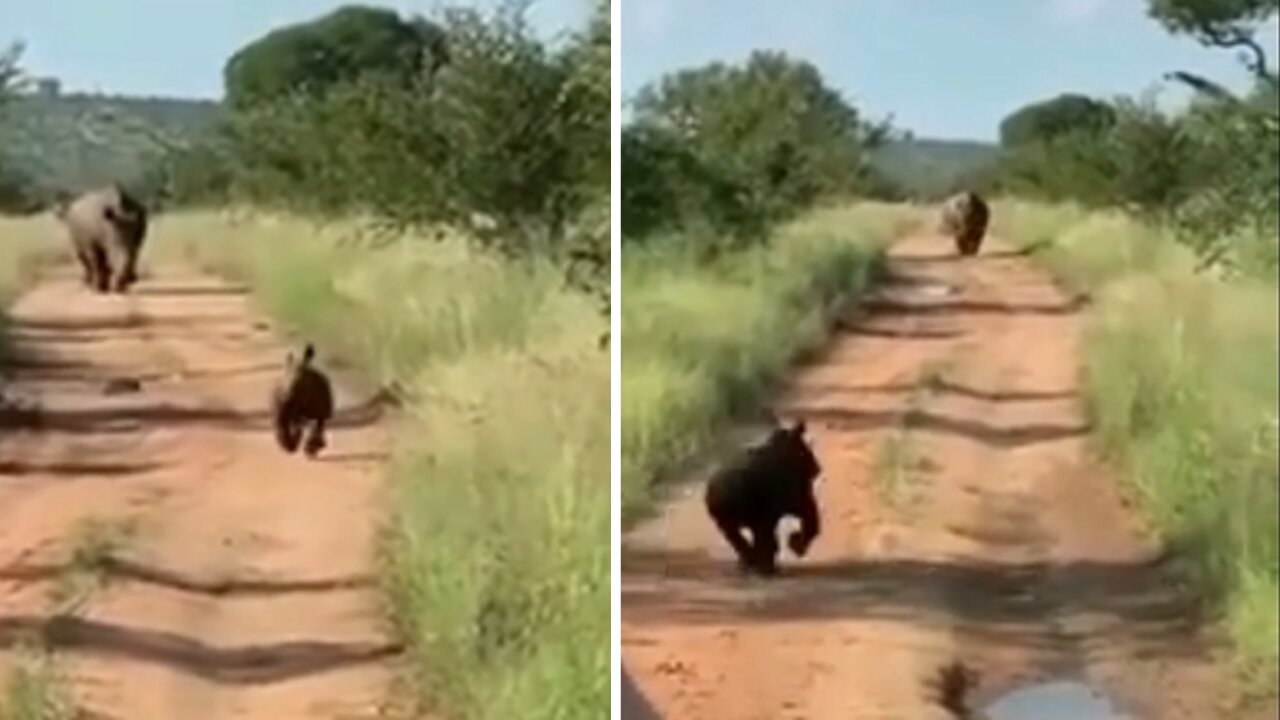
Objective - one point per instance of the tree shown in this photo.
(11, 77)
(769, 129)
(587, 96)
(585, 124)
(1046, 120)
(505, 105)
(1233, 219)
(15, 186)
(1227, 24)
(510, 136)
(665, 186)
(347, 43)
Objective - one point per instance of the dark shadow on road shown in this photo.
(992, 436)
(24, 362)
(190, 290)
(944, 387)
(124, 569)
(244, 665)
(633, 703)
(117, 323)
(990, 256)
(861, 330)
(75, 468)
(967, 307)
(117, 419)
(1004, 603)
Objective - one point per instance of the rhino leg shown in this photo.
(101, 271)
(86, 265)
(315, 438)
(120, 259)
(131, 247)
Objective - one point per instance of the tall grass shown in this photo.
(33, 687)
(496, 551)
(1182, 386)
(36, 688)
(703, 342)
(25, 245)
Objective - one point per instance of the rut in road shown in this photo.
(240, 580)
(963, 520)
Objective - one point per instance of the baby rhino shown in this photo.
(302, 401)
(763, 485)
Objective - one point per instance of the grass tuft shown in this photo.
(93, 544)
(36, 689)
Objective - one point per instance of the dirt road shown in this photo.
(963, 521)
(235, 580)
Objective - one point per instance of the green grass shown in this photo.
(25, 244)
(35, 689)
(496, 551)
(703, 343)
(1181, 380)
(92, 545)
(900, 471)
(1088, 250)
(897, 468)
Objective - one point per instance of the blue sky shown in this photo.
(178, 47)
(943, 68)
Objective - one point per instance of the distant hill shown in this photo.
(73, 140)
(929, 168)
(69, 141)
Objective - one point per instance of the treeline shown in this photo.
(718, 154)
(13, 184)
(55, 143)
(723, 152)
(1209, 171)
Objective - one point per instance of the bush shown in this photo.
(507, 128)
(1210, 174)
(721, 153)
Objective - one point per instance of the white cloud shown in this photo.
(1074, 12)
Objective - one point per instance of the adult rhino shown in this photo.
(964, 218)
(106, 226)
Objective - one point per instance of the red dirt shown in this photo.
(1011, 551)
(246, 587)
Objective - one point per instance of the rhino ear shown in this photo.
(798, 428)
(308, 353)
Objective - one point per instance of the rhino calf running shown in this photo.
(302, 402)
